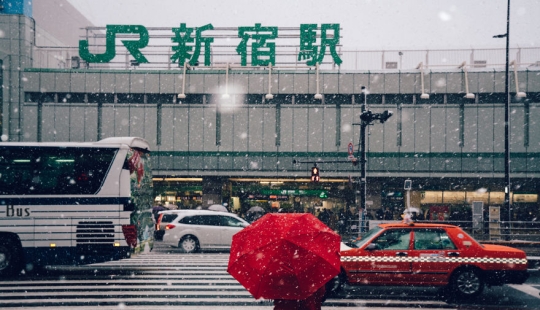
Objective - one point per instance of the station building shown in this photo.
(250, 134)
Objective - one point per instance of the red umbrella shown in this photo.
(284, 256)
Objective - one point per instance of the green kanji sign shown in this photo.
(188, 43)
(263, 53)
(185, 43)
(308, 38)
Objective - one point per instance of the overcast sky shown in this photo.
(366, 24)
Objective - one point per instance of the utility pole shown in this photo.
(507, 204)
(507, 185)
(367, 117)
(363, 161)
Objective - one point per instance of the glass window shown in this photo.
(393, 239)
(191, 220)
(100, 98)
(337, 99)
(432, 239)
(168, 218)
(360, 242)
(372, 99)
(53, 170)
(130, 98)
(281, 99)
(208, 220)
(211, 220)
(231, 221)
(70, 97)
(39, 97)
(306, 99)
(397, 99)
(192, 99)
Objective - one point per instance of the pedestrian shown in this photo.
(380, 214)
(313, 302)
(342, 221)
(332, 220)
(324, 217)
(388, 216)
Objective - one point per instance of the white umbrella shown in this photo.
(410, 210)
(218, 208)
(256, 209)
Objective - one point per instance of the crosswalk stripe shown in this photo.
(527, 289)
(156, 281)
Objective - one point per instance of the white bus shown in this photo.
(73, 203)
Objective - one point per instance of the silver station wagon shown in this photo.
(194, 230)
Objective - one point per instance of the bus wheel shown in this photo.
(9, 258)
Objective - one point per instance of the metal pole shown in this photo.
(2, 101)
(507, 204)
(363, 186)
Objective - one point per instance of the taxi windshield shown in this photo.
(360, 241)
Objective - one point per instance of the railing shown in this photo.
(385, 61)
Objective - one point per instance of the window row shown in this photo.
(125, 98)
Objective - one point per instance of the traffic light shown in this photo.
(315, 174)
(367, 116)
(385, 116)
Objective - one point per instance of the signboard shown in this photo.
(296, 192)
(268, 197)
(188, 43)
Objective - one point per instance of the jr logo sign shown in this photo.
(132, 46)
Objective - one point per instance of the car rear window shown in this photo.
(168, 218)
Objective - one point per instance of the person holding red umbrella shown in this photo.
(313, 302)
(287, 257)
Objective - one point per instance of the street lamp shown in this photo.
(507, 205)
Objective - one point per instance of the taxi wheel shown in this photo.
(467, 283)
(334, 286)
(189, 244)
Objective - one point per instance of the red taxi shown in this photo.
(429, 255)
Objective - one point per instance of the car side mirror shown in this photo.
(371, 247)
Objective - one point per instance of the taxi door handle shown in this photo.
(453, 254)
(401, 254)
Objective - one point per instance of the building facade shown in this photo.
(225, 140)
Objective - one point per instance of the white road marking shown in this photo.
(527, 289)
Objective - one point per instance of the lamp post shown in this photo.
(507, 205)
